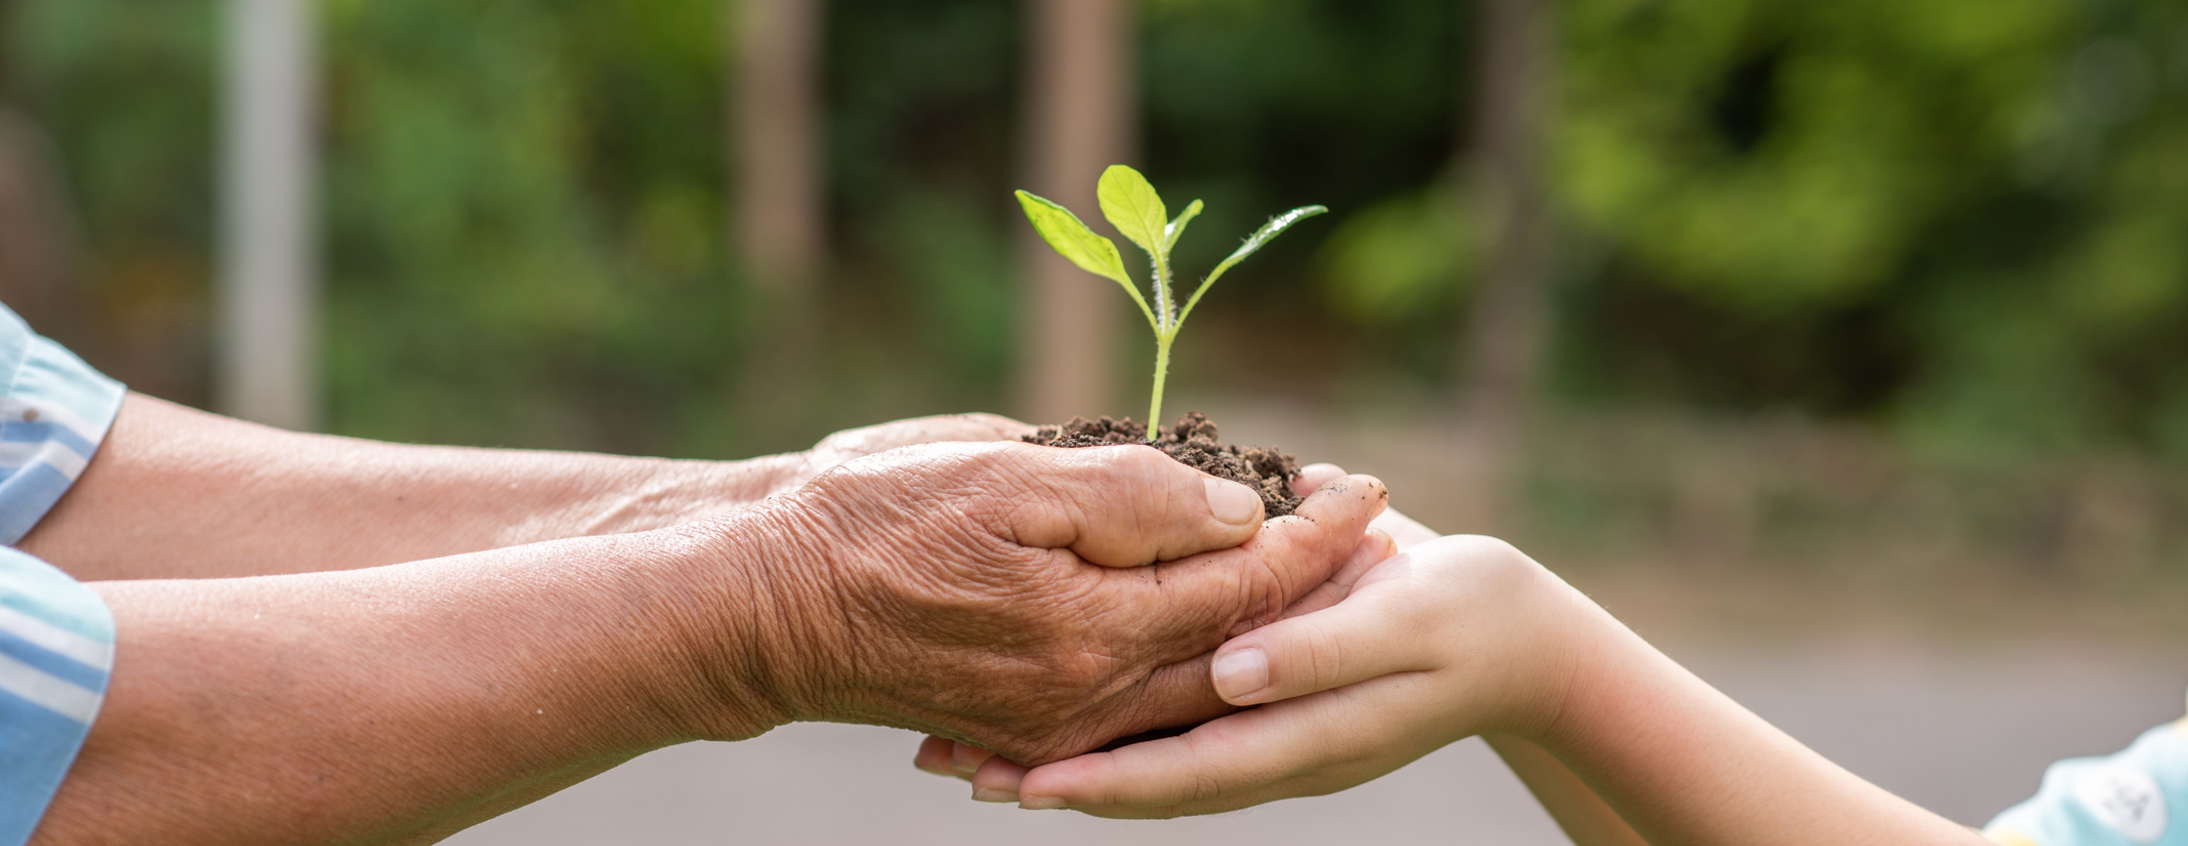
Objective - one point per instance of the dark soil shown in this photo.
(1193, 442)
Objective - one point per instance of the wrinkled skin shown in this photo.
(863, 441)
(996, 593)
(1389, 532)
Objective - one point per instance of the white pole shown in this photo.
(267, 300)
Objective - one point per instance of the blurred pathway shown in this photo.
(1966, 734)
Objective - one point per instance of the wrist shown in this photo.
(676, 492)
(1600, 668)
(1563, 659)
(760, 634)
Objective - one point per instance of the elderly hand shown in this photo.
(993, 593)
(1362, 677)
(996, 593)
(869, 440)
(1389, 533)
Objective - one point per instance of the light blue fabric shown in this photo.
(53, 415)
(56, 637)
(2137, 797)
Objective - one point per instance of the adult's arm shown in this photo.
(178, 493)
(955, 589)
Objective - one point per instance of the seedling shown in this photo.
(1136, 210)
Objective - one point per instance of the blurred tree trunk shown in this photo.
(1080, 113)
(778, 225)
(40, 249)
(267, 299)
(1508, 323)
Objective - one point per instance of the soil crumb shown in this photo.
(1193, 442)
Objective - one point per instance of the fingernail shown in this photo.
(994, 794)
(1232, 502)
(1240, 673)
(1041, 803)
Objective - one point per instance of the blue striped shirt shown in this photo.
(56, 638)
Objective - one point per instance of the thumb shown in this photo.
(1126, 506)
(1359, 638)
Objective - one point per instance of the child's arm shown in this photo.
(1583, 816)
(1464, 636)
(1575, 807)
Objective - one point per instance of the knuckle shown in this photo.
(1261, 590)
(1087, 671)
(1208, 778)
(1325, 656)
(1206, 786)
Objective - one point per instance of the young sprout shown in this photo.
(1136, 210)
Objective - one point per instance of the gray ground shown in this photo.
(1964, 732)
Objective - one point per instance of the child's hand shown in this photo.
(1385, 600)
(1452, 638)
(1389, 533)
(1460, 636)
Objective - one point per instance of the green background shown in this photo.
(1956, 228)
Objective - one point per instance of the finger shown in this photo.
(934, 756)
(997, 780)
(1192, 605)
(1239, 754)
(1171, 697)
(965, 758)
(1202, 601)
(1183, 694)
(1355, 640)
(1407, 531)
(1289, 788)
(1314, 476)
(1374, 547)
(1125, 506)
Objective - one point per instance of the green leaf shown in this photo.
(1176, 229)
(1254, 243)
(1267, 233)
(1092, 253)
(1134, 208)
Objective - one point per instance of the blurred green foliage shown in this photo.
(1965, 217)
(524, 206)
(1963, 220)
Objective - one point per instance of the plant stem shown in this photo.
(1163, 298)
(1162, 369)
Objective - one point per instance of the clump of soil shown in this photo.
(1193, 442)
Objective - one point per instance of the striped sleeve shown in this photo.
(53, 416)
(56, 637)
(56, 649)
